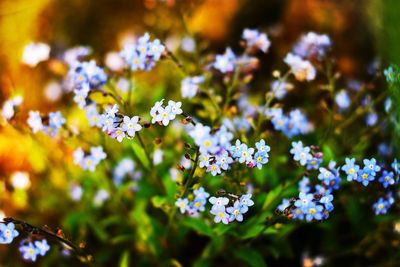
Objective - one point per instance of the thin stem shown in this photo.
(144, 148)
(80, 254)
(186, 187)
(230, 88)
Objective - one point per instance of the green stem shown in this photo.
(144, 148)
(230, 88)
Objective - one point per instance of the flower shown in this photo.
(370, 164)
(304, 185)
(284, 205)
(111, 111)
(42, 247)
(144, 54)
(256, 39)
(391, 74)
(302, 69)
(313, 211)
(220, 215)
(182, 204)
(365, 176)
(35, 121)
(387, 178)
(201, 193)
(300, 153)
(214, 169)
(29, 251)
(131, 125)
(218, 202)
(118, 134)
(351, 169)
(246, 200)
(190, 86)
(175, 108)
(381, 206)
(236, 211)
(98, 154)
(225, 62)
(343, 100)
(7, 233)
(312, 45)
(304, 200)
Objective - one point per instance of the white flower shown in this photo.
(35, 53)
(131, 125)
(35, 121)
(301, 69)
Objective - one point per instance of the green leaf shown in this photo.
(140, 153)
(199, 226)
(124, 261)
(250, 256)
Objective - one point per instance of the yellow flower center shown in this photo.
(221, 214)
(312, 211)
(352, 171)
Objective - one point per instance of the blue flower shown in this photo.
(155, 49)
(304, 185)
(387, 178)
(313, 164)
(304, 200)
(390, 74)
(220, 214)
(29, 251)
(326, 176)
(381, 206)
(42, 247)
(7, 233)
(223, 160)
(236, 212)
(327, 201)
(56, 120)
(298, 214)
(351, 169)
(260, 159)
(313, 211)
(365, 176)
(198, 204)
(182, 204)
(218, 202)
(300, 153)
(236, 149)
(204, 160)
(322, 190)
(226, 62)
(262, 148)
(246, 200)
(201, 193)
(285, 204)
(245, 154)
(371, 165)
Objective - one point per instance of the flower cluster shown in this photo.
(116, 125)
(229, 214)
(383, 204)
(89, 162)
(312, 45)
(7, 233)
(83, 77)
(144, 54)
(243, 154)
(196, 205)
(54, 122)
(30, 251)
(305, 156)
(163, 115)
(368, 173)
(256, 40)
(126, 168)
(294, 124)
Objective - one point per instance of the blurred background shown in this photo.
(364, 32)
